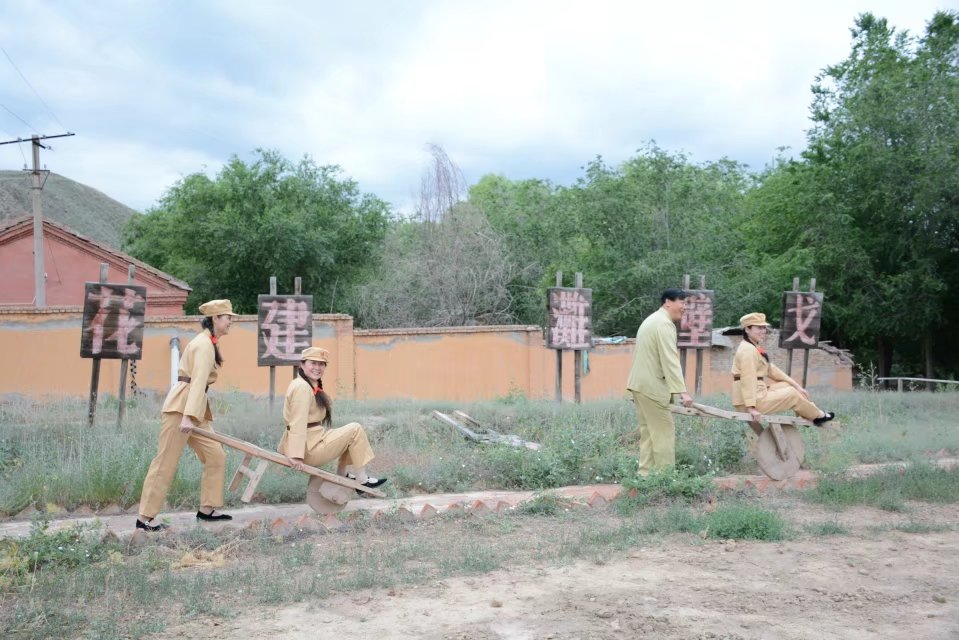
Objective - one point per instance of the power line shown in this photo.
(30, 126)
(19, 146)
(35, 92)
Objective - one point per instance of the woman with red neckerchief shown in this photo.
(751, 371)
(186, 407)
(308, 414)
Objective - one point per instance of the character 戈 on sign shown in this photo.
(804, 317)
(286, 328)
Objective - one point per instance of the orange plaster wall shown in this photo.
(68, 268)
(460, 364)
(450, 363)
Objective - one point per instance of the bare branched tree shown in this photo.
(441, 187)
(452, 273)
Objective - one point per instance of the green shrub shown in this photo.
(71, 547)
(660, 487)
(745, 522)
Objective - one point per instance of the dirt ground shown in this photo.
(872, 583)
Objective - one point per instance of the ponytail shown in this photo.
(207, 323)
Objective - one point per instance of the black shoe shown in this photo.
(150, 527)
(373, 483)
(210, 516)
(370, 483)
(824, 419)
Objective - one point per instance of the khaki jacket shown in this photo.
(198, 362)
(656, 372)
(753, 371)
(300, 408)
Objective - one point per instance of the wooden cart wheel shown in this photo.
(771, 462)
(326, 497)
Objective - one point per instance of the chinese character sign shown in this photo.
(113, 321)
(696, 325)
(802, 317)
(570, 322)
(284, 327)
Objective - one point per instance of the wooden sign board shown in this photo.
(570, 321)
(113, 321)
(284, 327)
(801, 320)
(696, 325)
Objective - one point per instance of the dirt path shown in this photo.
(865, 586)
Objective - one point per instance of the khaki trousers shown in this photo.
(782, 396)
(657, 434)
(163, 468)
(348, 443)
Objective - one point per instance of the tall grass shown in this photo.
(49, 456)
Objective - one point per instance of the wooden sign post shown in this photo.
(801, 322)
(569, 325)
(112, 328)
(696, 326)
(284, 328)
(124, 365)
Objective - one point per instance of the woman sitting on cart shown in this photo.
(308, 414)
(751, 371)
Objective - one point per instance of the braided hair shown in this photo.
(322, 400)
(759, 348)
(207, 323)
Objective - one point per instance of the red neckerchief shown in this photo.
(761, 351)
(318, 388)
(213, 339)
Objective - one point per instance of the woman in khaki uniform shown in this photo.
(308, 414)
(186, 406)
(751, 370)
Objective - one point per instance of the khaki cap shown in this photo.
(315, 353)
(217, 308)
(754, 319)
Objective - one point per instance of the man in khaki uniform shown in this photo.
(654, 378)
(186, 406)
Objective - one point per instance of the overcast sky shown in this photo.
(158, 90)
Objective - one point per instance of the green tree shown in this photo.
(226, 236)
(884, 155)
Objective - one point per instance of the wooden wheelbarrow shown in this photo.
(326, 493)
(780, 450)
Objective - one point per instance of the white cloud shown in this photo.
(158, 91)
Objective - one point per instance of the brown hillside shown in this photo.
(82, 208)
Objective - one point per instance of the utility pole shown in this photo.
(39, 278)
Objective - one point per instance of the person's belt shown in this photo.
(186, 379)
(736, 377)
(309, 425)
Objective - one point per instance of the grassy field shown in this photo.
(48, 457)
(74, 583)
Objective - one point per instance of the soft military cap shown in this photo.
(315, 353)
(217, 308)
(753, 320)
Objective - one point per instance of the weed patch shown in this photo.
(889, 489)
(745, 522)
